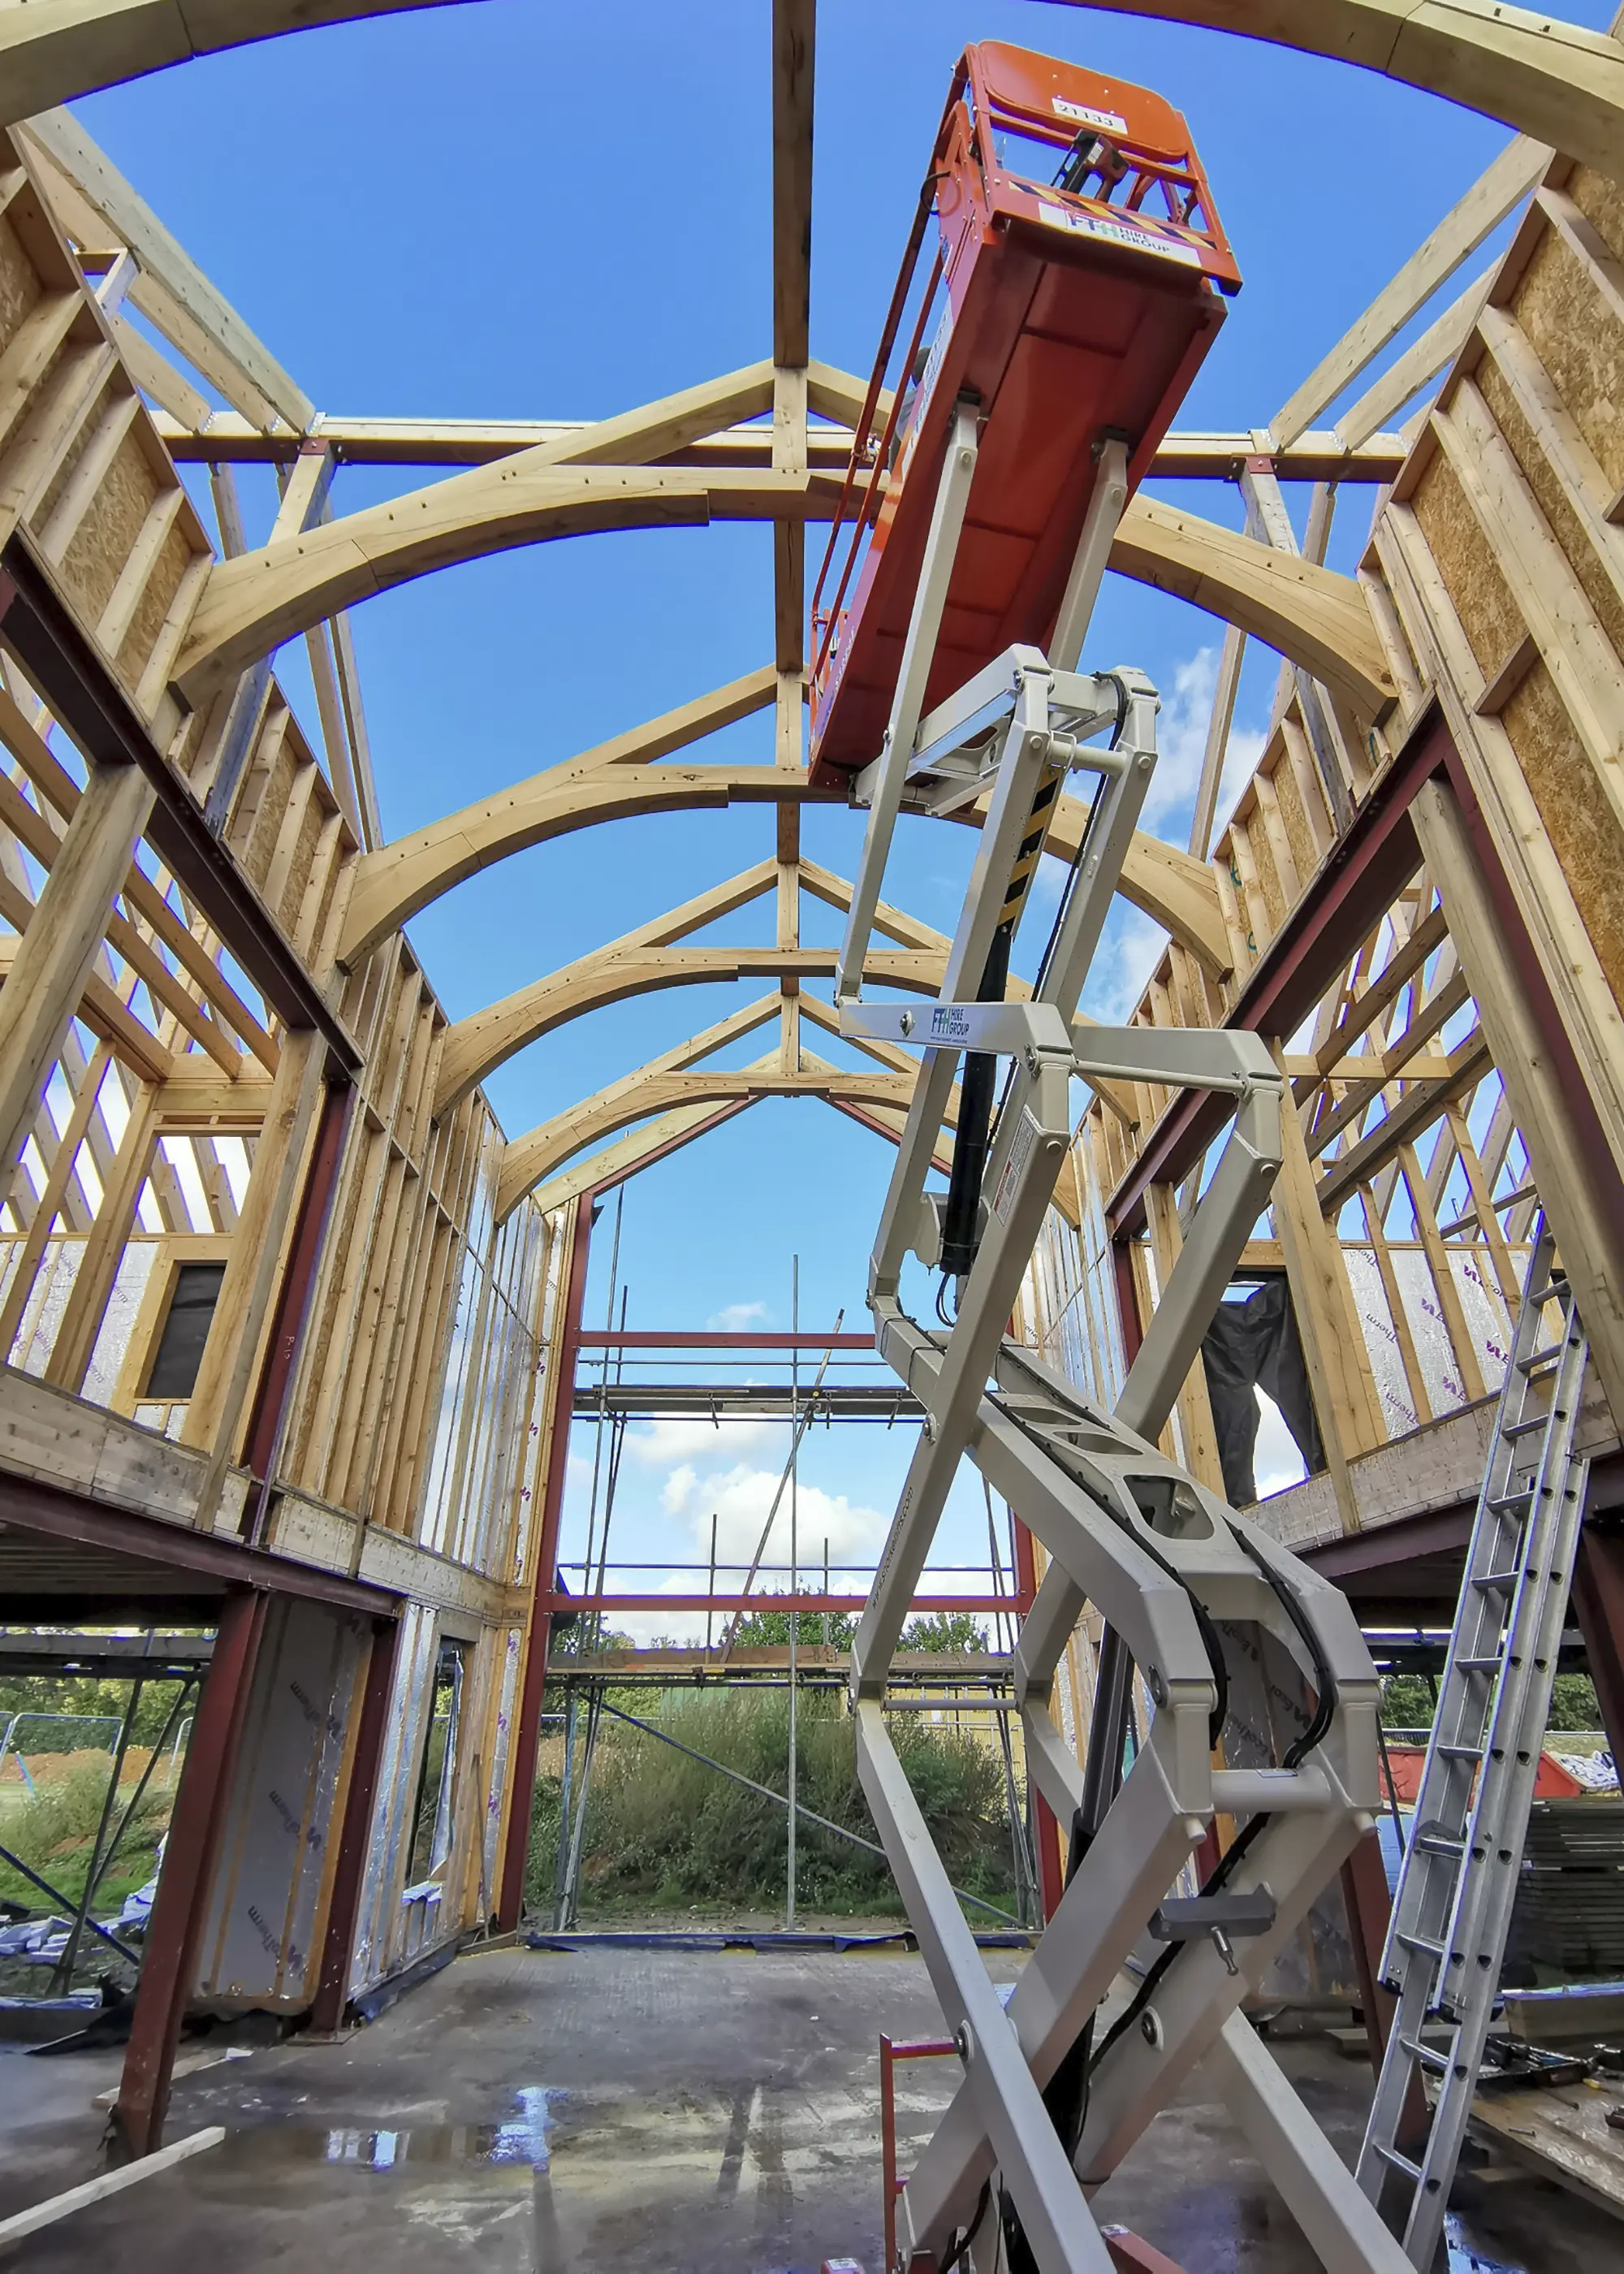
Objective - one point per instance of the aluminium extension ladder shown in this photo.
(1458, 1877)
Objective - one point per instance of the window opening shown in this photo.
(431, 1817)
(179, 1353)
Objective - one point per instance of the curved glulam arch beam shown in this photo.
(392, 885)
(1559, 82)
(52, 51)
(476, 1045)
(1555, 80)
(253, 603)
(531, 1159)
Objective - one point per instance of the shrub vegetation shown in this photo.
(663, 1832)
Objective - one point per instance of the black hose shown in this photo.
(961, 1220)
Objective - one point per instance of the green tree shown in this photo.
(950, 1633)
(764, 1629)
(1406, 1702)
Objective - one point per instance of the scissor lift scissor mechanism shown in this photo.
(1132, 1983)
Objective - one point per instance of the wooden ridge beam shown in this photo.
(80, 691)
(794, 32)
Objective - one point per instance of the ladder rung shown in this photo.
(1512, 1500)
(1439, 1843)
(1462, 1753)
(1555, 1290)
(1524, 1429)
(1477, 1666)
(1399, 2163)
(1419, 1943)
(1501, 1579)
(1547, 1357)
(1428, 2056)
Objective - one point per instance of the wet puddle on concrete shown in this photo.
(520, 2140)
(1466, 2258)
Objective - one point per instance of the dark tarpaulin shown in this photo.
(1254, 1345)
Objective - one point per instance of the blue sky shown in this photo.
(511, 209)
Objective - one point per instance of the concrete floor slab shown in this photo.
(640, 2113)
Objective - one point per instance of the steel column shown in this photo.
(326, 2010)
(269, 1420)
(186, 1882)
(1597, 1601)
(1355, 883)
(527, 1736)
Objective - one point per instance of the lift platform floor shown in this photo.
(638, 2113)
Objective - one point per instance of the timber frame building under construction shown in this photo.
(292, 1324)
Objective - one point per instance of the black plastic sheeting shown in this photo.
(1254, 1345)
(745, 1940)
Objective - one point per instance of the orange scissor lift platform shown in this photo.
(1078, 284)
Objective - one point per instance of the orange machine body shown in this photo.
(1071, 310)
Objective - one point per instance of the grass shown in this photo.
(667, 1833)
(55, 1828)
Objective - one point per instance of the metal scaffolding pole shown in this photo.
(62, 1973)
(571, 1907)
(795, 1609)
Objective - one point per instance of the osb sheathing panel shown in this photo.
(107, 536)
(20, 289)
(1581, 343)
(103, 408)
(267, 819)
(1602, 204)
(320, 957)
(174, 559)
(1566, 526)
(1299, 836)
(299, 873)
(1574, 809)
(1489, 616)
(1268, 876)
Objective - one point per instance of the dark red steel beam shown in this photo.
(168, 1959)
(1368, 1905)
(1355, 884)
(338, 1939)
(269, 1422)
(660, 1338)
(527, 1735)
(80, 689)
(1598, 1600)
(1045, 1823)
(1600, 1166)
(28, 1505)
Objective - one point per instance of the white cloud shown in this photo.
(739, 1498)
(678, 1490)
(666, 1442)
(738, 1318)
(1130, 950)
(1276, 1462)
(1133, 943)
(1181, 737)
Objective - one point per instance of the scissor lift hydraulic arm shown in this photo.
(1057, 2088)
